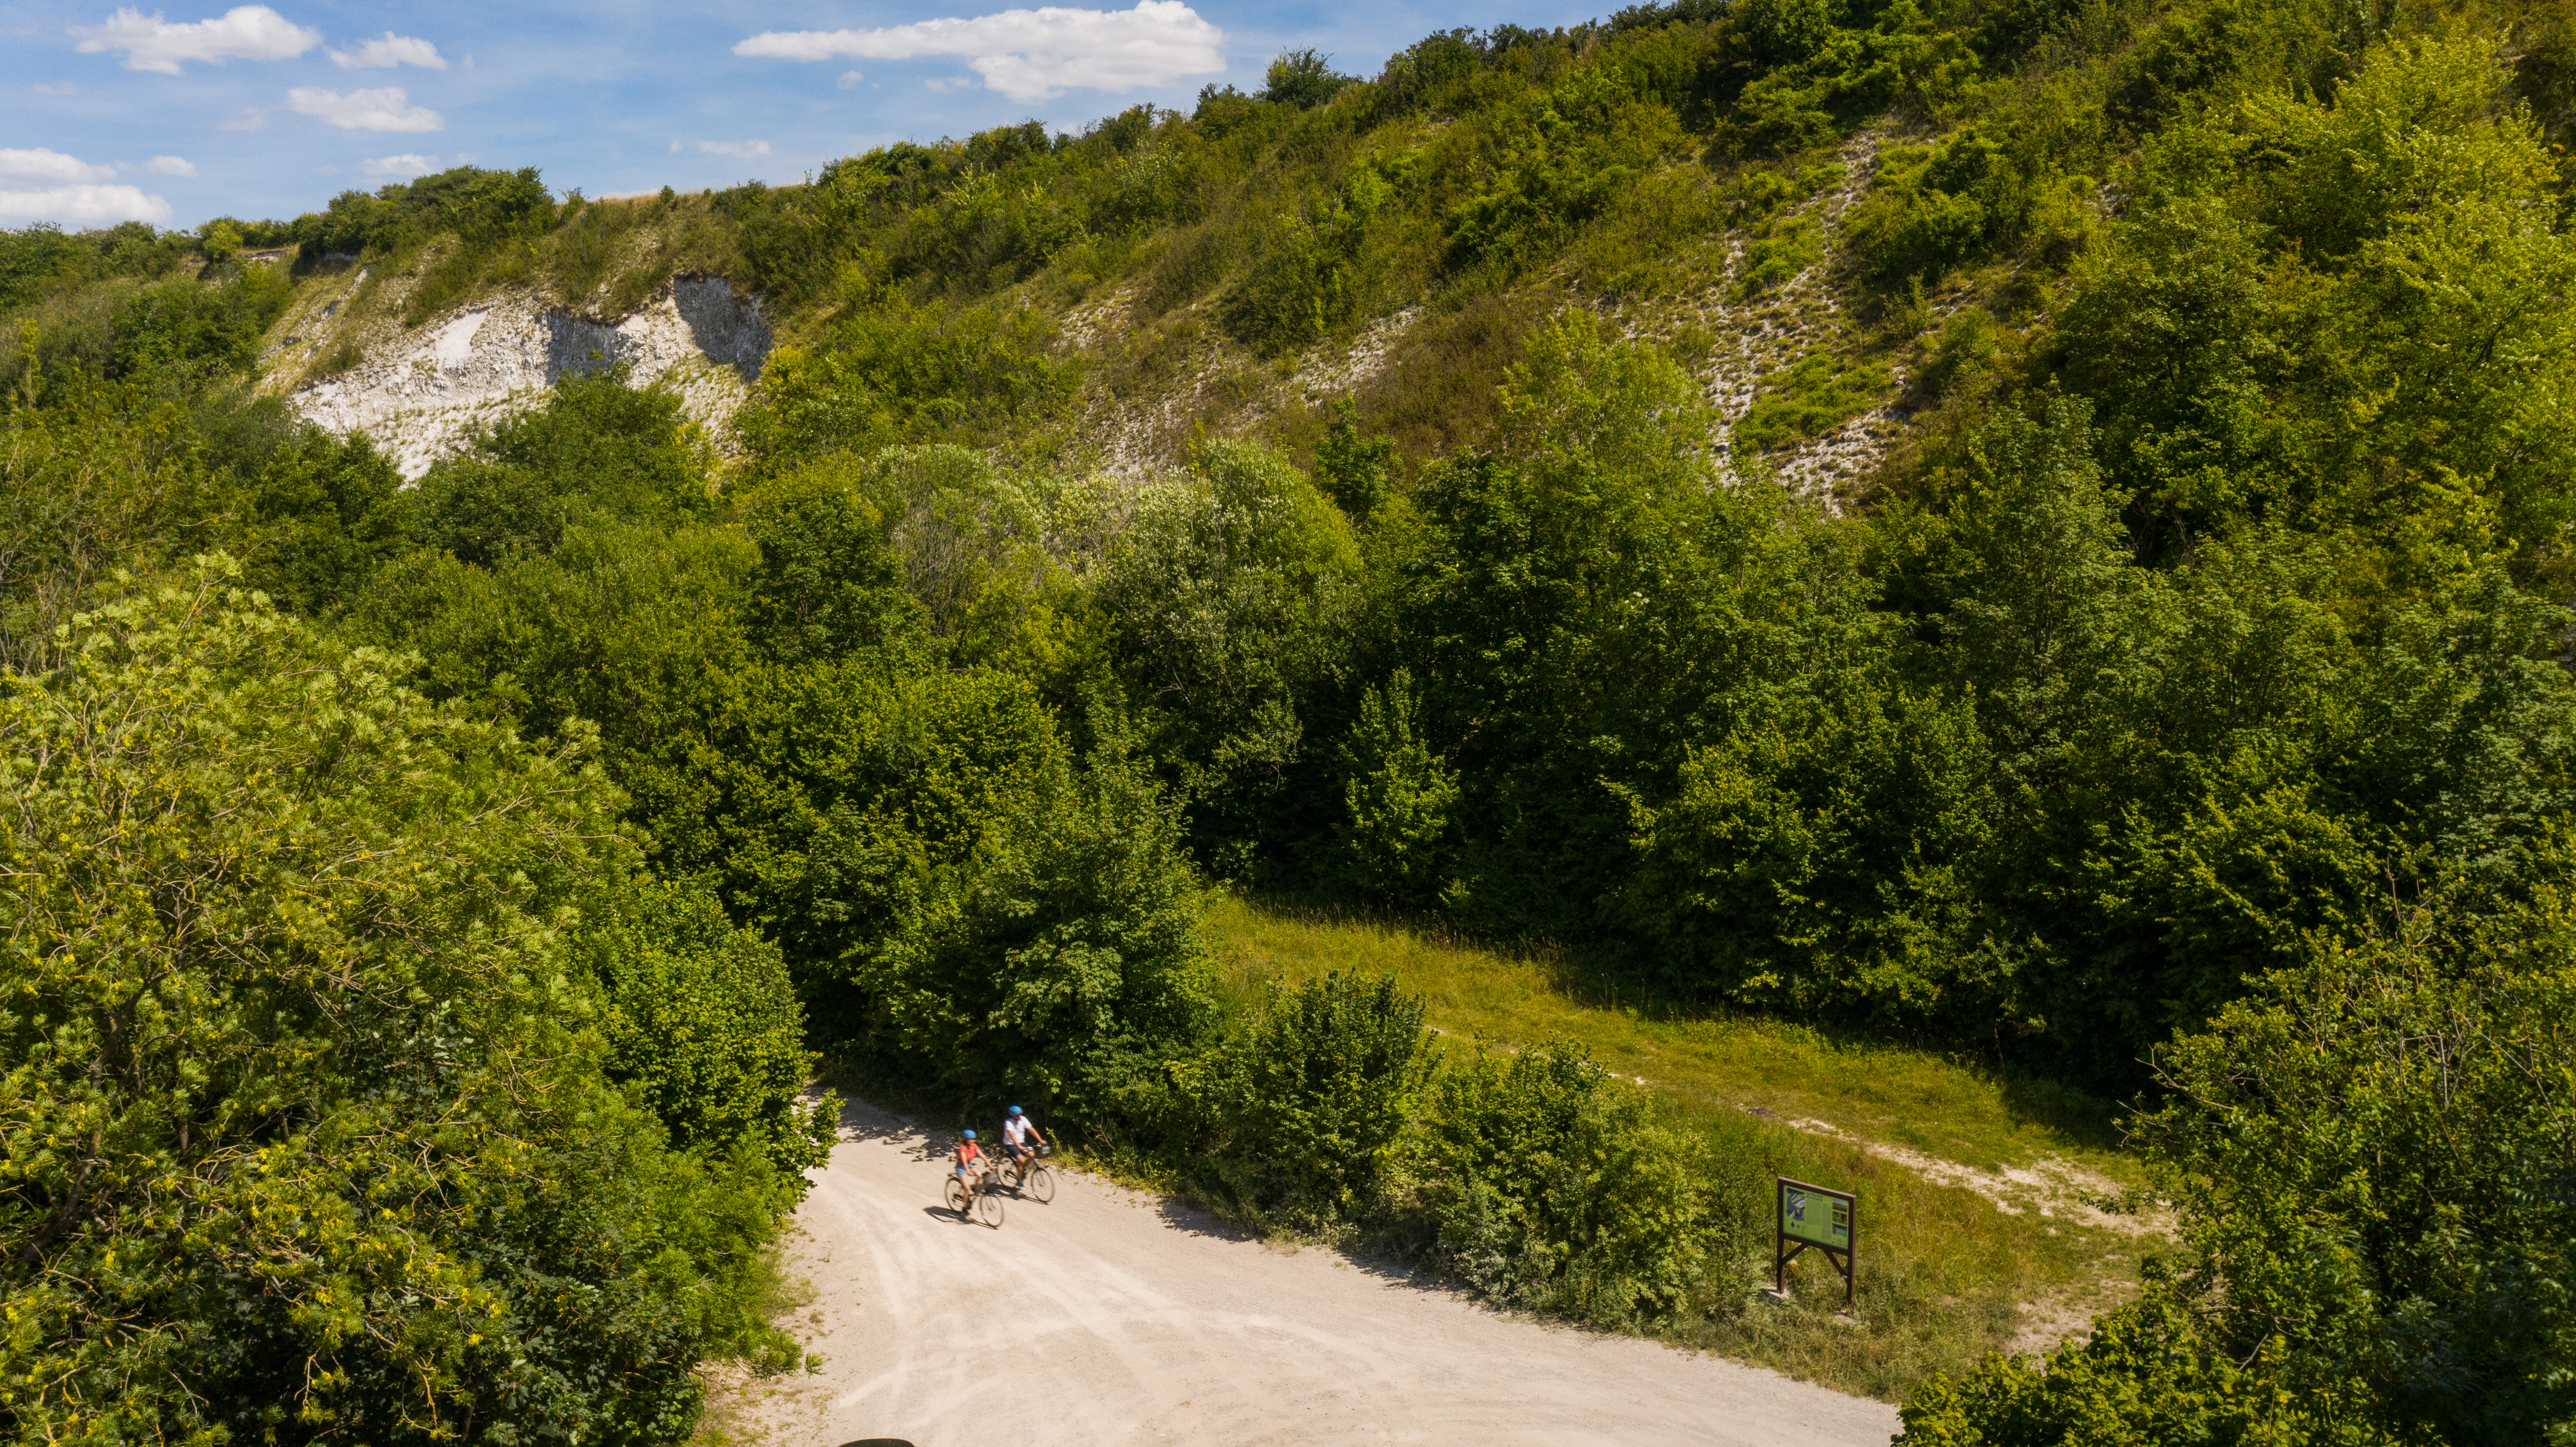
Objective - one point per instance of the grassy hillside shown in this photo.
(1981, 1195)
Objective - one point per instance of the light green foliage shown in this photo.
(1551, 1188)
(1305, 1105)
(900, 373)
(90, 482)
(702, 1027)
(1557, 160)
(305, 1128)
(1781, 257)
(1397, 798)
(1816, 394)
(1932, 208)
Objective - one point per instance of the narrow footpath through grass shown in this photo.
(1981, 1225)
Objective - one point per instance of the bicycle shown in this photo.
(984, 1198)
(1034, 1180)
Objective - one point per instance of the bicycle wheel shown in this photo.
(989, 1205)
(956, 1195)
(1041, 1184)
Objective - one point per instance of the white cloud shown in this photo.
(58, 88)
(850, 78)
(83, 206)
(245, 32)
(51, 166)
(389, 50)
(170, 166)
(1031, 55)
(248, 118)
(733, 148)
(405, 165)
(364, 110)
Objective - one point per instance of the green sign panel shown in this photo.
(1812, 1216)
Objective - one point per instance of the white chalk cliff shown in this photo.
(421, 399)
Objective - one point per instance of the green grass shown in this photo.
(1946, 1274)
(1818, 393)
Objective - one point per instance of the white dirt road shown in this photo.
(1114, 1317)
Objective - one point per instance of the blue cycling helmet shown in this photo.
(970, 1135)
(1015, 1110)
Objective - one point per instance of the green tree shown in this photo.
(1397, 795)
(306, 1132)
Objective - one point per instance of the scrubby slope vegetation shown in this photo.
(2038, 532)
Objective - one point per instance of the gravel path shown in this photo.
(1114, 1317)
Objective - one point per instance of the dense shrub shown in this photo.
(1549, 1187)
(2370, 1156)
(307, 1129)
(1302, 1111)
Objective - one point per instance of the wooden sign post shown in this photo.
(1826, 1219)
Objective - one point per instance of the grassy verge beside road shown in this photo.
(1979, 1230)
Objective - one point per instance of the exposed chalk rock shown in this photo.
(422, 398)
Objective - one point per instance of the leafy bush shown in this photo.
(1398, 796)
(1229, 595)
(1305, 1105)
(900, 373)
(1935, 207)
(2369, 1154)
(703, 1027)
(1302, 78)
(1061, 964)
(1549, 1187)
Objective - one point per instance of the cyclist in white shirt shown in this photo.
(1017, 1130)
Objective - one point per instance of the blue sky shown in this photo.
(176, 115)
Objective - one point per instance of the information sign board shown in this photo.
(1818, 1217)
(1812, 1216)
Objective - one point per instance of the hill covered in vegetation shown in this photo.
(2038, 531)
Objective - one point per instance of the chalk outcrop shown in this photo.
(424, 394)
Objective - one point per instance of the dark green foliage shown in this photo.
(323, 513)
(1062, 963)
(1579, 603)
(1549, 1187)
(600, 453)
(2370, 1156)
(1230, 596)
(1302, 78)
(1356, 469)
(482, 208)
(1305, 1105)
